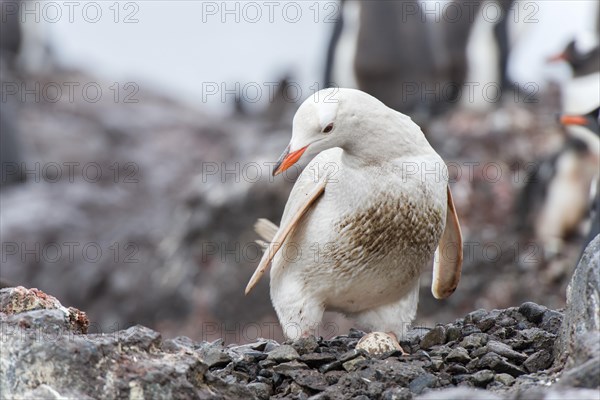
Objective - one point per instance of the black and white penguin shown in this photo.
(591, 123)
(582, 61)
(417, 62)
(556, 198)
(582, 91)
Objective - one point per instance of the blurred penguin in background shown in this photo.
(557, 197)
(10, 45)
(449, 38)
(394, 60)
(415, 61)
(582, 91)
(383, 48)
(341, 50)
(489, 46)
(589, 123)
(10, 31)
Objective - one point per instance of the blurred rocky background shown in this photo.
(135, 161)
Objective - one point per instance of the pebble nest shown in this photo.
(495, 350)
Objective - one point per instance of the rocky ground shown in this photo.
(525, 352)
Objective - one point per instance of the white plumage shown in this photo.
(363, 219)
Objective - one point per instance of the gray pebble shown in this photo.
(283, 353)
(286, 368)
(532, 311)
(482, 378)
(475, 340)
(498, 363)
(453, 333)
(538, 361)
(470, 329)
(397, 393)
(305, 345)
(422, 382)
(458, 354)
(352, 364)
(434, 337)
(504, 379)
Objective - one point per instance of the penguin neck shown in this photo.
(378, 146)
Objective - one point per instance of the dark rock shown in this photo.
(457, 369)
(469, 330)
(214, 354)
(461, 379)
(532, 311)
(289, 367)
(355, 333)
(499, 364)
(436, 336)
(482, 378)
(414, 335)
(537, 338)
(332, 366)
(499, 332)
(283, 353)
(267, 363)
(260, 390)
(552, 321)
(306, 345)
(419, 384)
(474, 340)
(442, 351)
(458, 354)
(506, 322)
(375, 389)
(349, 355)
(333, 377)
(475, 316)
(437, 363)
(501, 349)
(354, 363)
(486, 324)
(310, 379)
(396, 393)
(504, 379)
(316, 359)
(538, 361)
(472, 365)
(180, 343)
(453, 333)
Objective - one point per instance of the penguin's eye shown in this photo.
(328, 128)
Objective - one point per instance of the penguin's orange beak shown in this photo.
(556, 58)
(288, 159)
(572, 120)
